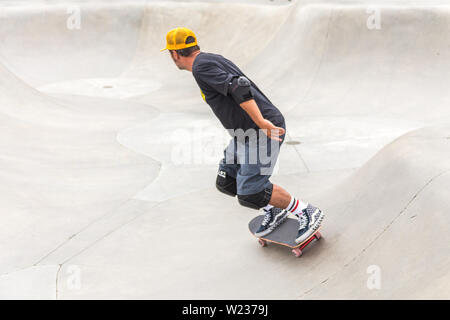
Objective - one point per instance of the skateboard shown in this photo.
(283, 235)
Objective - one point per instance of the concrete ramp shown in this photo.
(109, 154)
(391, 217)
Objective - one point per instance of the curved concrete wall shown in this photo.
(109, 154)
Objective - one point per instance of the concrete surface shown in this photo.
(109, 154)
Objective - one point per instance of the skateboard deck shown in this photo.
(283, 235)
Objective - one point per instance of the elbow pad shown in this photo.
(240, 89)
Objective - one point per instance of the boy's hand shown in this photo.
(268, 127)
(272, 131)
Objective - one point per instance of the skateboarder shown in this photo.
(254, 124)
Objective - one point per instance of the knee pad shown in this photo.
(257, 200)
(225, 183)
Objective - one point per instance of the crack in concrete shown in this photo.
(32, 266)
(14, 271)
(323, 53)
(324, 48)
(378, 236)
(56, 282)
(95, 241)
(81, 230)
(299, 155)
(103, 237)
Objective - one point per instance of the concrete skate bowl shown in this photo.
(93, 203)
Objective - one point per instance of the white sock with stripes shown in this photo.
(268, 207)
(296, 206)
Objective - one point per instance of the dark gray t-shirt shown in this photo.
(213, 74)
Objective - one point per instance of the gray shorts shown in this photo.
(251, 162)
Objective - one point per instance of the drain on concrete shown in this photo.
(293, 142)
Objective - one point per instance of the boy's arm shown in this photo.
(222, 82)
(269, 128)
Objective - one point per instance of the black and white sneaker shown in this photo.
(309, 222)
(272, 219)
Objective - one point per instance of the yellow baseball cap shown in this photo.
(176, 39)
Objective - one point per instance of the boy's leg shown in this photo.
(254, 188)
(228, 168)
(280, 197)
(310, 218)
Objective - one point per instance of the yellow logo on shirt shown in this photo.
(203, 96)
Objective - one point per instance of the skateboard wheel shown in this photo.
(262, 242)
(318, 235)
(297, 252)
